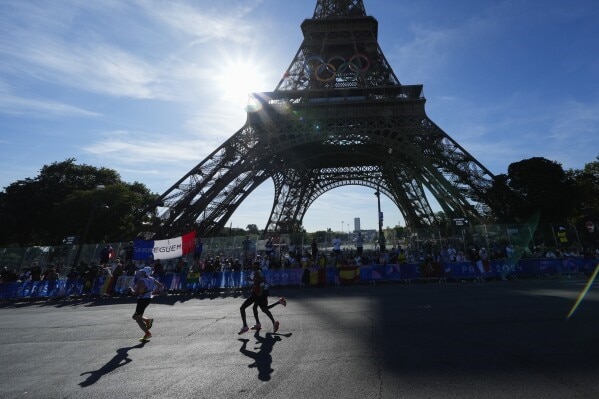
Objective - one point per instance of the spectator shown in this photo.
(217, 265)
(322, 261)
(360, 244)
(73, 274)
(130, 268)
(106, 254)
(483, 261)
(8, 276)
(129, 251)
(336, 246)
(550, 254)
(197, 253)
(158, 270)
(117, 272)
(89, 276)
(246, 247)
(401, 256)
(269, 247)
(106, 271)
(445, 255)
(36, 272)
(51, 274)
(510, 253)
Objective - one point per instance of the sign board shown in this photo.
(460, 221)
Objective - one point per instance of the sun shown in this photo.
(239, 77)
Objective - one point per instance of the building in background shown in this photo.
(356, 225)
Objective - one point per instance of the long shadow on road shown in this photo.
(120, 359)
(262, 358)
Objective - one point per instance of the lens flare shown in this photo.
(584, 292)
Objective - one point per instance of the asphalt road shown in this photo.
(458, 340)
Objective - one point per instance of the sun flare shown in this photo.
(238, 79)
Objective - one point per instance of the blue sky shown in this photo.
(150, 88)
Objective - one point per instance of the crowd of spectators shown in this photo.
(428, 254)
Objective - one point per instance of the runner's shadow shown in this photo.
(262, 358)
(120, 359)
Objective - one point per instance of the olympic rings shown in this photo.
(353, 67)
(327, 70)
(335, 66)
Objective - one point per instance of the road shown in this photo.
(458, 340)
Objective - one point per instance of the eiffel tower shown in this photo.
(339, 116)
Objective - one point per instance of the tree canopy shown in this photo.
(63, 198)
(538, 185)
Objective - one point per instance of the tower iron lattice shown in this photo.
(339, 116)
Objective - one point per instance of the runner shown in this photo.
(144, 288)
(256, 297)
(265, 307)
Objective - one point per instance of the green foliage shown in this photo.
(535, 185)
(231, 232)
(586, 184)
(252, 229)
(503, 201)
(544, 187)
(321, 236)
(401, 232)
(63, 198)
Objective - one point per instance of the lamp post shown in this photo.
(83, 237)
(380, 217)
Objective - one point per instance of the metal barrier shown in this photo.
(331, 276)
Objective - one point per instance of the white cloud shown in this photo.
(12, 104)
(39, 44)
(128, 148)
(202, 23)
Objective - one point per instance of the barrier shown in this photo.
(198, 282)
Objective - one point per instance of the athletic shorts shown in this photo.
(142, 304)
(262, 300)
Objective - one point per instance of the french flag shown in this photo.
(164, 249)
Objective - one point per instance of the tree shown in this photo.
(531, 186)
(503, 201)
(252, 229)
(63, 197)
(321, 236)
(586, 201)
(400, 232)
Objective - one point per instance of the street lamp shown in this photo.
(83, 237)
(380, 217)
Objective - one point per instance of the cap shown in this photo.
(147, 270)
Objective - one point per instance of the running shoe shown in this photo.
(257, 327)
(243, 330)
(282, 301)
(276, 326)
(150, 322)
(146, 337)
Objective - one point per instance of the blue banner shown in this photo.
(293, 277)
